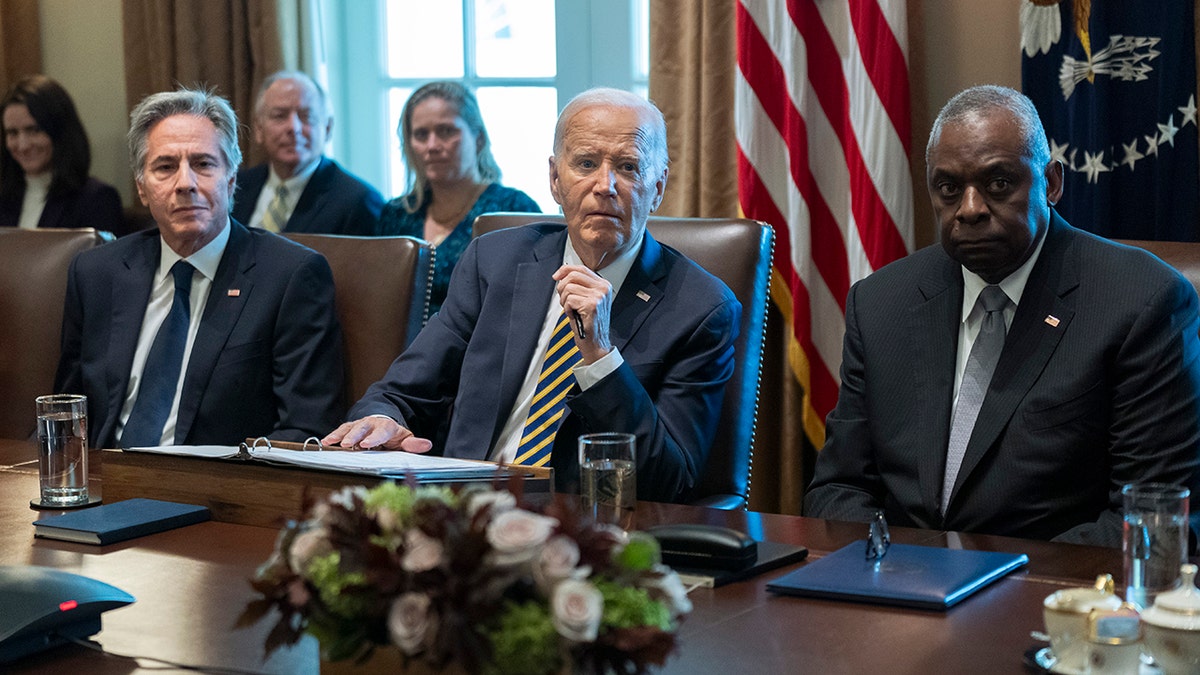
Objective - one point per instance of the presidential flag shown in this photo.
(823, 134)
(1115, 82)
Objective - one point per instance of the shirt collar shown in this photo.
(297, 182)
(1013, 285)
(206, 259)
(614, 272)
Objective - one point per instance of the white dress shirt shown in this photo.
(295, 186)
(585, 375)
(36, 189)
(162, 295)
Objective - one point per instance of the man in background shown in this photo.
(1012, 379)
(639, 337)
(200, 331)
(299, 189)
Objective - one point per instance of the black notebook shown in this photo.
(119, 521)
(771, 555)
(909, 576)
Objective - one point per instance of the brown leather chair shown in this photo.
(1183, 256)
(382, 289)
(33, 283)
(738, 252)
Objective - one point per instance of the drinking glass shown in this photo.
(62, 450)
(608, 476)
(1155, 537)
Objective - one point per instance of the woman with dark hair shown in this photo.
(452, 177)
(45, 160)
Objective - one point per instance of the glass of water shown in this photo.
(1155, 539)
(62, 450)
(608, 477)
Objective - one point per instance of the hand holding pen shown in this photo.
(587, 299)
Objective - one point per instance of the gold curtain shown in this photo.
(693, 67)
(20, 41)
(229, 45)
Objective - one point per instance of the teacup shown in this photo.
(1066, 615)
(1172, 627)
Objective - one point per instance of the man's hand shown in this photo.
(373, 432)
(588, 296)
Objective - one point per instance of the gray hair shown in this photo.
(618, 98)
(297, 75)
(986, 98)
(183, 101)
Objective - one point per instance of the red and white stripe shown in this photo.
(823, 137)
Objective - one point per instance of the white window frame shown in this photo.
(599, 52)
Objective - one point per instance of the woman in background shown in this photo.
(452, 177)
(44, 164)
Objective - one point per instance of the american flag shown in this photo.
(823, 135)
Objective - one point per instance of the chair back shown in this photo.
(1182, 255)
(33, 285)
(738, 252)
(382, 293)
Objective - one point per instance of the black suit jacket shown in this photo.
(95, 205)
(1098, 385)
(333, 202)
(674, 324)
(267, 360)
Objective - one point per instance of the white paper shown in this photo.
(373, 462)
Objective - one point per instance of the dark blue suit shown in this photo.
(267, 360)
(673, 323)
(95, 205)
(333, 202)
(1098, 385)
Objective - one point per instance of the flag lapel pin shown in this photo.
(233, 292)
(643, 296)
(1052, 320)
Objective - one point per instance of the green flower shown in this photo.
(639, 555)
(524, 641)
(629, 607)
(325, 573)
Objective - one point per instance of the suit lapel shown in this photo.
(1031, 342)
(933, 335)
(130, 295)
(311, 198)
(532, 289)
(639, 294)
(221, 312)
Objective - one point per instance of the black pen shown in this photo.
(579, 331)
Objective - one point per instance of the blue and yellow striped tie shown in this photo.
(548, 408)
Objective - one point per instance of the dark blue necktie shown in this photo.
(160, 376)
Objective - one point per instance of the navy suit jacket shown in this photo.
(333, 202)
(1098, 385)
(267, 360)
(674, 324)
(95, 205)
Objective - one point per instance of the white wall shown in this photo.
(82, 48)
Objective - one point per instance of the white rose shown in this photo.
(410, 621)
(576, 609)
(665, 585)
(309, 544)
(345, 496)
(389, 520)
(421, 552)
(516, 535)
(497, 499)
(557, 561)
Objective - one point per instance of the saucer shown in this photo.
(37, 505)
(1042, 659)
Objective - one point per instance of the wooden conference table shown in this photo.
(191, 585)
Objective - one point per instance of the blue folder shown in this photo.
(909, 576)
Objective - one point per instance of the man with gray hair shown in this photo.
(299, 189)
(1012, 379)
(200, 331)
(639, 338)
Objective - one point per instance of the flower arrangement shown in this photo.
(470, 578)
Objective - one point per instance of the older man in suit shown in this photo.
(640, 337)
(200, 331)
(1091, 379)
(298, 189)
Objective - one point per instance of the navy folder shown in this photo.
(119, 521)
(909, 576)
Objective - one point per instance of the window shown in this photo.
(523, 58)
